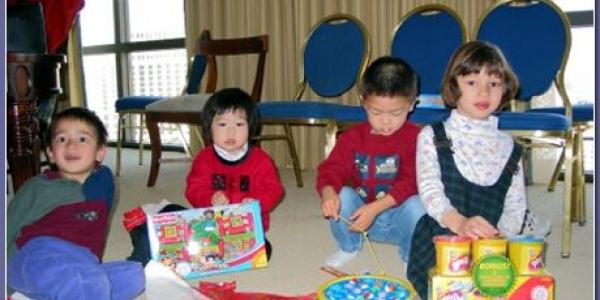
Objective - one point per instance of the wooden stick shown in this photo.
(369, 245)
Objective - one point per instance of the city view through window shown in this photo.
(149, 71)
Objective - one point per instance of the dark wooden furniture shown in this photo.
(212, 48)
(30, 78)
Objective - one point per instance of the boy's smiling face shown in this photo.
(74, 149)
(387, 114)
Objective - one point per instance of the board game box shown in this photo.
(205, 241)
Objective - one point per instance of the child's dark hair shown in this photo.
(229, 99)
(389, 76)
(80, 114)
(472, 57)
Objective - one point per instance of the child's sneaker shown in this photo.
(340, 258)
(534, 225)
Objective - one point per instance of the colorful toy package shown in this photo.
(205, 241)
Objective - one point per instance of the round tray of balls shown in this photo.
(363, 287)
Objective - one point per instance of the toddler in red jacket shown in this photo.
(231, 170)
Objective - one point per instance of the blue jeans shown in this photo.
(394, 226)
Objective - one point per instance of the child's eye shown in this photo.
(240, 124)
(471, 82)
(60, 139)
(495, 84)
(83, 139)
(221, 124)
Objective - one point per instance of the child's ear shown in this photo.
(50, 154)
(101, 153)
(412, 106)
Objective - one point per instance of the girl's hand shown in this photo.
(475, 228)
(363, 217)
(219, 198)
(246, 200)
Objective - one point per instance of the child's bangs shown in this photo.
(482, 61)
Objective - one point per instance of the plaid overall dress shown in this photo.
(468, 198)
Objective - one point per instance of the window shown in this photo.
(132, 47)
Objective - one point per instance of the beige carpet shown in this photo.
(301, 239)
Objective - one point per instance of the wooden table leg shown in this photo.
(29, 77)
(156, 146)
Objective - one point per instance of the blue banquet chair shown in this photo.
(130, 105)
(425, 38)
(535, 38)
(335, 54)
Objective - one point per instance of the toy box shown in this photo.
(534, 287)
(207, 241)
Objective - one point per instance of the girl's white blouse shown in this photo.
(480, 154)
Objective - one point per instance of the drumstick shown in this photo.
(369, 245)
(333, 271)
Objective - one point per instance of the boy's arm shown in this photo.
(100, 185)
(339, 167)
(199, 189)
(17, 217)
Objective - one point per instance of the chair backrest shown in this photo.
(212, 48)
(335, 54)
(195, 74)
(535, 39)
(426, 38)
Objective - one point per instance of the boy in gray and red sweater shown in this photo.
(57, 222)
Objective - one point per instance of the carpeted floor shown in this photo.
(301, 239)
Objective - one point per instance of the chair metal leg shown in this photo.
(119, 141)
(331, 131)
(296, 163)
(568, 194)
(580, 175)
(556, 173)
(141, 141)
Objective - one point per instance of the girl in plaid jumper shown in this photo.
(469, 174)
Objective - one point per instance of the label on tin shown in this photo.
(494, 275)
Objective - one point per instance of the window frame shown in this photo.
(122, 48)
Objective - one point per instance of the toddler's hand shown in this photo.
(476, 227)
(219, 198)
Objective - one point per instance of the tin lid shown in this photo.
(450, 238)
(527, 239)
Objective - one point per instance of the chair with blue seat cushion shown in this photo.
(582, 120)
(335, 55)
(535, 38)
(425, 38)
(130, 105)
